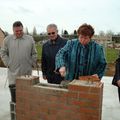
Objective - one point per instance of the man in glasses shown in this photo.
(49, 51)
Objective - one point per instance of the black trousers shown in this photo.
(119, 93)
(13, 93)
(54, 78)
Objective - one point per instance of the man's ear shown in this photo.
(91, 36)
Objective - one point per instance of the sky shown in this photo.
(68, 15)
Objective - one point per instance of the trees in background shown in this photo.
(34, 33)
(43, 36)
(26, 31)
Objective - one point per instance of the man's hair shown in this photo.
(52, 25)
(17, 24)
(86, 29)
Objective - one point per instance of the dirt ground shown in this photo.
(110, 70)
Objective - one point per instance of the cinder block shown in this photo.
(13, 116)
(13, 110)
(13, 107)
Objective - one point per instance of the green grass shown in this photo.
(111, 54)
(39, 50)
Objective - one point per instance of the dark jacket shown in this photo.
(117, 76)
(49, 51)
(117, 72)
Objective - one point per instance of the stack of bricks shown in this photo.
(13, 110)
(80, 101)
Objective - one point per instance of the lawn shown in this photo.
(111, 54)
(39, 50)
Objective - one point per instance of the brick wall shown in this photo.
(79, 101)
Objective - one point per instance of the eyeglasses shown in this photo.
(52, 33)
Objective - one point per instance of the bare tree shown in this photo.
(26, 31)
(34, 31)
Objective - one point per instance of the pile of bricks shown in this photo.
(79, 101)
(13, 110)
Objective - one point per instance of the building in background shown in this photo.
(2, 36)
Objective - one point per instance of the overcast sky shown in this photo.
(103, 15)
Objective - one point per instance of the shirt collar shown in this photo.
(14, 37)
(55, 42)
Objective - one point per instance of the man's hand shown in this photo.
(118, 82)
(44, 77)
(95, 75)
(62, 71)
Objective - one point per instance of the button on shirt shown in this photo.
(82, 61)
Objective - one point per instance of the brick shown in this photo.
(89, 78)
(81, 101)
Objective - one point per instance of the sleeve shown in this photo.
(101, 64)
(43, 61)
(4, 53)
(34, 54)
(62, 55)
(117, 73)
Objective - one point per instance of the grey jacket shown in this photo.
(19, 55)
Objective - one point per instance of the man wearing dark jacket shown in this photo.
(116, 78)
(49, 51)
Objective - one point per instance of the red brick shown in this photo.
(78, 102)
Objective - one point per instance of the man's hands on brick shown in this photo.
(62, 71)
